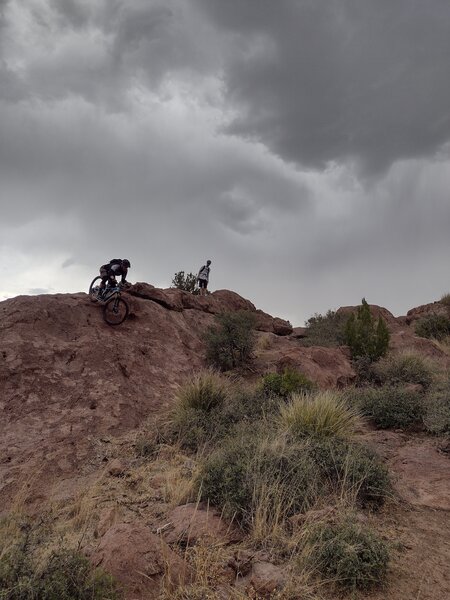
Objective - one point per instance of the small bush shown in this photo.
(365, 337)
(200, 419)
(407, 367)
(186, 282)
(231, 342)
(354, 469)
(437, 413)
(323, 414)
(65, 575)
(390, 407)
(249, 469)
(286, 383)
(325, 330)
(445, 300)
(351, 557)
(433, 326)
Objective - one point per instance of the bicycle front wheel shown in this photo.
(94, 289)
(115, 311)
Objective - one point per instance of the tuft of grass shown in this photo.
(354, 558)
(390, 407)
(323, 414)
(205, 391)
(405, 367)
(286, 383)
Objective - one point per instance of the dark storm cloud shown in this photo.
(348, 80)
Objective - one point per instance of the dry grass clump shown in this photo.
(203, 391)
(437, 413)
(323, 414)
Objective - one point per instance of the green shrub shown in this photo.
(325, 330)
(390, 407)
(249, 468)
(65, 575)
(231, 342)
(433, 326)
(351, 557)
(286, 383)
(407, 367)
(437, 413)
(186, 282)
(365, 337)
(323, 414)
(353, 468)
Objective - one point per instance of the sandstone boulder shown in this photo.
(139, 559)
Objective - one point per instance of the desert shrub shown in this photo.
(286, 383)
(445, 300)
(350, 556)
(364, 336)
(353, 468)
(406, 367)
(65, 575)
(433, 326)
(437, 413)
(199, 419)
(186, 282)
(390, 407)
(325, 330)
(322, 414)
(249, 468)
(231, 342)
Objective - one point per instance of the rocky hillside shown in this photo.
(72, 387)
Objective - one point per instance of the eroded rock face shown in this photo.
(139, 560)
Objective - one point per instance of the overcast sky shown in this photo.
(301, 145)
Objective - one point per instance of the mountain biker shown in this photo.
(203, 278)
(115, 267)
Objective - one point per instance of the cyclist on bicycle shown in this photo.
(115, 267)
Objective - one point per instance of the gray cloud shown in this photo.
(324, 81)
(179, 130)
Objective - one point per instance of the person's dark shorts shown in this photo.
(202, 283)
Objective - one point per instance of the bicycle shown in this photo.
(115, 308)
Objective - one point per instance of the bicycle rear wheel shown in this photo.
(94, 289)
(115, 311)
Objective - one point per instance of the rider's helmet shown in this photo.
(208, 262)
(126, 263)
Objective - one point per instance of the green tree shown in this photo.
(186, 282)
(365, 337)
(230, 343)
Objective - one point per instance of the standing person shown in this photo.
(116, 266)
(203, 278)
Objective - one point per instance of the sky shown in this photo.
(303, 146)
